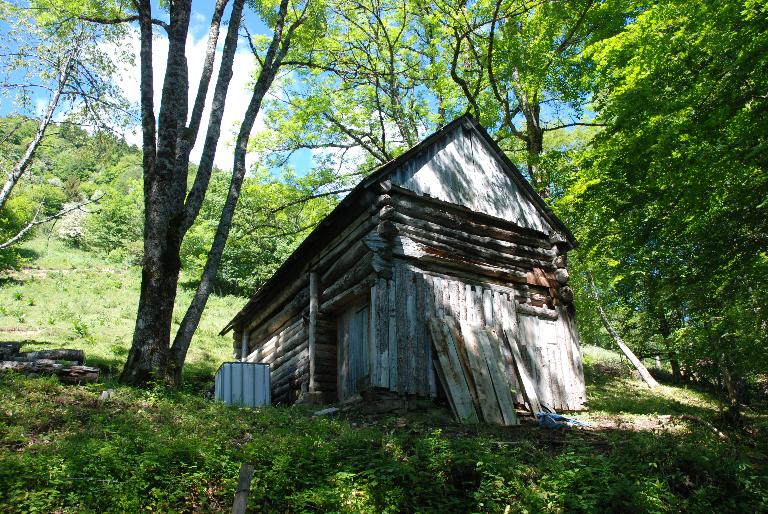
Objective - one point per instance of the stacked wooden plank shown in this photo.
(64, 363)
(470, 368)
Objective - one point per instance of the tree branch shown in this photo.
(574, 124)
(35, 222)
(118, 21)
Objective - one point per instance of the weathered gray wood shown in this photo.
(455, 385)
(444, 385)
(540, 312)
(285, 341)
(401, 318)
(412, 342)
(243, 489)
(269, 325)
(486, 394)
(477, 249)
(328, 255)
(352, 276)
(340, 244)
(465, 220)
(424, 355)
(488, 313)
(579, 392)
(345, 262)
(381, 336)
(314, 304)
(372, 326)
(537, 250)
(297, 367)
(419, 244)
(471, 270)
(343, 352)
(529, 389)
(69, 374)
(392, 333)
(289, 356)
(489, 343)
(263, 349)
(430, 311)
(344, 297)
(387, 229)
(62, 354)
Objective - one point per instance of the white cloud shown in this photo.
(198, 17)
(237, 98)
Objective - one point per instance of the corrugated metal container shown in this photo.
(245, 384)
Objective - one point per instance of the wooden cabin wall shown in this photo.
(401, 349)
(460, 165)
(410, 256)
(344, 268)
(286, 351)
(479, 270)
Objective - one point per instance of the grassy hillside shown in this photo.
(65, 297)
(62, 449)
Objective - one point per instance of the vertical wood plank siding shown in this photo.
(549, 347)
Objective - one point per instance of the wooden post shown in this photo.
(243, 489)
(314, 303)
(244, 348)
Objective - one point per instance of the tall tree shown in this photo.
(284, 31)
(169, 132)
(669, 201)
(359, 94)
(520, 68)
(61, 64)
(389, 72)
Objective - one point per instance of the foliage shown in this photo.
(272, 218)
(13, 217)
(388, 73)
(669, 201)
(115, 228)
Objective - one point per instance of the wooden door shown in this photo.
(354, 348)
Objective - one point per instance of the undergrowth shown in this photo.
(63, 449)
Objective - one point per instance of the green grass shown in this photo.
(62, 449)
(68, 298)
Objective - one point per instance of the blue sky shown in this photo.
(239, 92)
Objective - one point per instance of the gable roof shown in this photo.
(361, 196)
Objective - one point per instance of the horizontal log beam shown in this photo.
(466, 220)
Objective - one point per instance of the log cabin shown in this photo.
(448, 229)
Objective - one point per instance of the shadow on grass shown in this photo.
(27, 254)
(199, 375)
(9, 280)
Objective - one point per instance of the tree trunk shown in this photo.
(271, 64)
(637, 363)
(664, 330)
(733, 412)
(148, 357)
(23, 164)
(639, 366)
